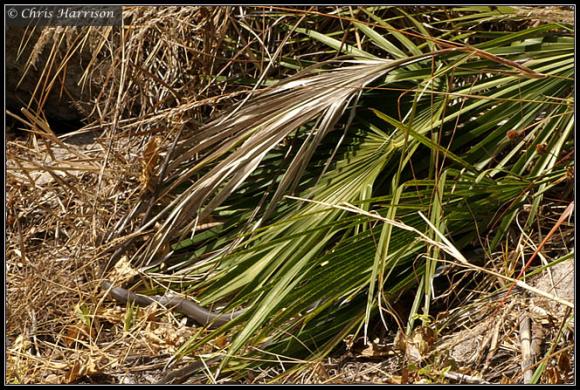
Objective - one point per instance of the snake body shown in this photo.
(184, 306)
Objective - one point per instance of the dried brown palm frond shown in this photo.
(306, 274)
(241, 141)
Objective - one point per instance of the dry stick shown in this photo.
(457, 376)
(525, 342)
(551, 353)
(561, 220)
(488, 56)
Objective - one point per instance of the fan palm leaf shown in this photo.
(430, 134)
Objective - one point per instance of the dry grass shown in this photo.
(68, 198)
(547, 14)
(61, 204)
(60, 329)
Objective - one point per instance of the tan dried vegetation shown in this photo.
(72, 200)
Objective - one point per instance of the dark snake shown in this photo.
(190, 309)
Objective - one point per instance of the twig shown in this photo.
(525, 342)
(456, 376)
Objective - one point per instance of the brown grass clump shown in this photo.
(66, 195)
(557, 14)
(69, 200)
(54, 224)
(61, 204)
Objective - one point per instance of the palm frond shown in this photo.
(462, 133)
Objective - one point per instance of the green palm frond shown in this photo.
(463, 127)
